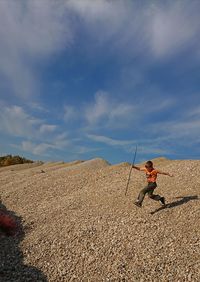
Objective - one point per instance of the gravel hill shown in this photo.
(77, 224)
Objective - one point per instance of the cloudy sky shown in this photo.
(92, 78)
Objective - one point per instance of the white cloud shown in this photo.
(109, 141)
(81, 150)
(174, 27)
(37, 107)
(69, 113)
(30, 31)
(194, 112)
(121, 111)
(144, 146)
(37, 136)
(147, 150)
(187, 128)
(108, 111)
(61, 141)
(99, 109)
(100, 15)
(157, 28)
(15, 121)
(117, 22)
(33, 32)
(180, 131)
(46, 128)
(36, 149)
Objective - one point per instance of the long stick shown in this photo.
(131, 170)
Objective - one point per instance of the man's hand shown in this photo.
(135, 167)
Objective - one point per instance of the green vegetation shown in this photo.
(12, 160)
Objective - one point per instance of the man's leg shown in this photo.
(156, 197)
(142, 195)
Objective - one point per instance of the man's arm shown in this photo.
(165, 173)
(138, 168)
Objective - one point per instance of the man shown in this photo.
(151, 174)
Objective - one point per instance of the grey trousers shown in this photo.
(148, 189)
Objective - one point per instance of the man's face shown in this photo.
(148, 167)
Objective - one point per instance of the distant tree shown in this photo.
(7, 162)
(12, 160)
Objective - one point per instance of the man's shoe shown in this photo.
(138, 204)
(162, 200)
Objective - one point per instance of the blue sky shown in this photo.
(81, 79)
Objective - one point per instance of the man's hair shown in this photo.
(149, 164)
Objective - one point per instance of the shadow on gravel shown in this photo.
(12, 268)
(183, 200)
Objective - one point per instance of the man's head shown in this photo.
(149, 165)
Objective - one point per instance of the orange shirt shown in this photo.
(151, 175)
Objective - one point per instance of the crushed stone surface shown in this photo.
(78, 225)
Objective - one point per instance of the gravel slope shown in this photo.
(79, 226)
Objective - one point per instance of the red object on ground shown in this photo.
(8, 224)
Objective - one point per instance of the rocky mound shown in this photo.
(93, 164)
(160, 161)
(79, 226)
(20, 166)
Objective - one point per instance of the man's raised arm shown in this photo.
(138, 168)
(165, 173)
